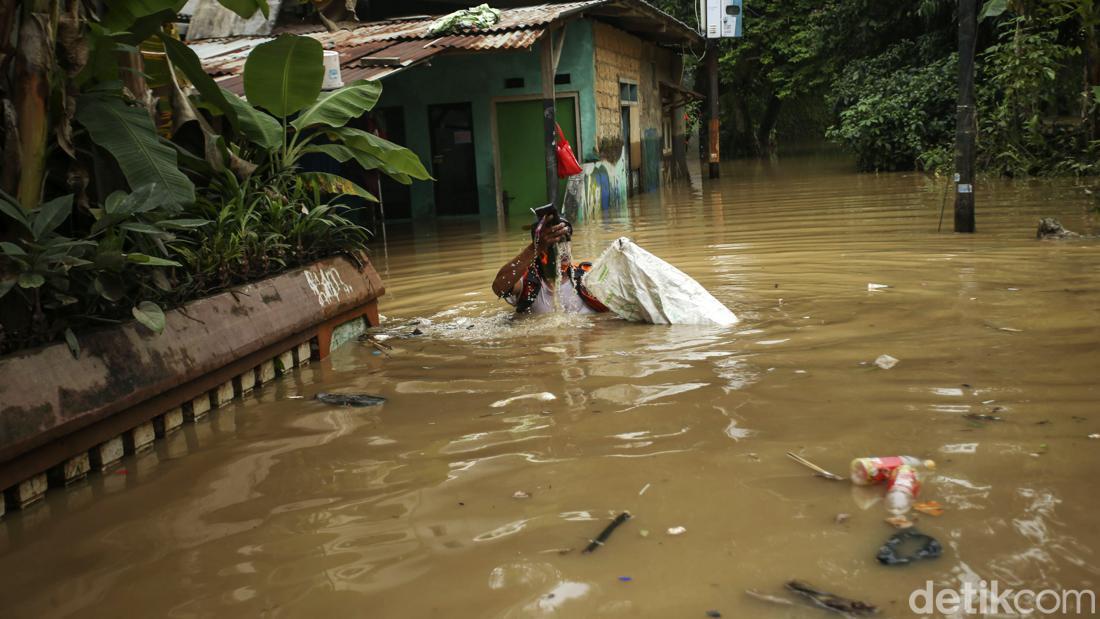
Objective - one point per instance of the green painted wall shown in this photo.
(478, 78)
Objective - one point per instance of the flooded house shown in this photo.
(470, 104)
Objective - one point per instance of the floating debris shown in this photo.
(1094, 435)
(677, 530)
(874, 287)
(982, 417)
(932, 508)
(520, 494)
(544, 396)
(350, 399)
(842, 518)
(813, 467)
(886, 361)
(642, 491)
(557, 350)
(764, 597)
(606, 533)
(899, 522)
(831, 601)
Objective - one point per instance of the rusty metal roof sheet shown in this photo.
(377, 49)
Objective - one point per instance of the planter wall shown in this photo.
(58, 412)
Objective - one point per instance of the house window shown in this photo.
(513, 82)
(563, 78)
(628, 92)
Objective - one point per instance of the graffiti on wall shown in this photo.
(601, 188)
(327, 285)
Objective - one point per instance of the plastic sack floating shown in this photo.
(639, 286)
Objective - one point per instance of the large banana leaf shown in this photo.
(185, 59)
(334, 184)
(256, 125)
(367, 161)
(284, 76)
(246, 8)
(121, 14)
(394, 159)
(128, 134)
(336, 108)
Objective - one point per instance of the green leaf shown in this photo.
(393, 158)
(151, 261)
(185, 59)
(150, 315)
(14, 211)
(183, 224)
(993, 8)
(336, 108)
(6, 285)
(284, 76)
(121, 14)
(31, 280)
(74, 345)
(109, 287)
(51, 215)
(334, 184)
(129, 135)
(140, 227)
(12, 249)
(246, 8)
(256, 125)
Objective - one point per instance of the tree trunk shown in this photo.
(1092, 80)
(34, 60)
(767, 125)
(752, 146)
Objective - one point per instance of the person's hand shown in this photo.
(549, 235)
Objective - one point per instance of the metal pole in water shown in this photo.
(964, 119)
(712, 96)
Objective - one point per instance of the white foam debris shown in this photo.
(544, 396)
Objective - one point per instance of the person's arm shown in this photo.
(509, 279)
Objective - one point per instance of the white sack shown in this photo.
(639, 286)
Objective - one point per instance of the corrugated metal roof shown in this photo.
(377, 49)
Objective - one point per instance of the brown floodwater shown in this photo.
(279, 505)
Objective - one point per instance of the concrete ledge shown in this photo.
(55, 407)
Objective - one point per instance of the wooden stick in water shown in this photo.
(813, 467)
(606, 533)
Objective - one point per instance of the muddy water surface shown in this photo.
(440, 504)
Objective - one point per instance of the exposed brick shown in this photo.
(304, 353)
(70, 471)
(285, 362)
(105, 454)
(27, 492)
(266, 372)
(223, 394)
(140, 438)
(197, 408)
(246, 382)
(168, 422)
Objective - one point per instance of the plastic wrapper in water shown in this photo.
(641, 287)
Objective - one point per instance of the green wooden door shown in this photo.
(522, 158)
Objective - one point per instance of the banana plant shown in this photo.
(287, 116)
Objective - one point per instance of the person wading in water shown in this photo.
(528, 281)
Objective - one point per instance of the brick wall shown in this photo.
(619, 56)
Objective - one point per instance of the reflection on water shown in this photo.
(506, 444)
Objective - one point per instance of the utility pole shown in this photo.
(964, 119)
(712, 102)
(548, 115)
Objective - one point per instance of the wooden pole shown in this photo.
(964, 119)
(548, 116)
(712, 96)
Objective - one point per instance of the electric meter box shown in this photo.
(721, 18)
